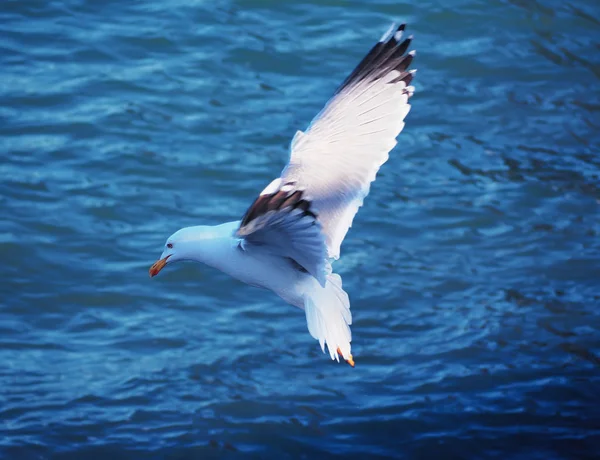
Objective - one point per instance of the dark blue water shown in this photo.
(473, 269)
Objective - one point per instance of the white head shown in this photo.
(201, 244)
(184, 244)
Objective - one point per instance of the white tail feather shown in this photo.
(328, 316)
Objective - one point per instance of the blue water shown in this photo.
(473, 268)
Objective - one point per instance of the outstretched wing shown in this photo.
(337, 158)
(305, 214)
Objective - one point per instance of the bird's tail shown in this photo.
(328, 317)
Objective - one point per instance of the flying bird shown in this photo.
(290, 235)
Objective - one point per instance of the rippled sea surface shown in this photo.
(473, 268)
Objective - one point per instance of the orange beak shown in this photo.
(158, 266)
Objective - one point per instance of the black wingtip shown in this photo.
(387, 55)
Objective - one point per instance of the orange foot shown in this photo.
(349, 360)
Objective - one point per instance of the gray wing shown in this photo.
(305, 214)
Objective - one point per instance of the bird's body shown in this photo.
(221, 249)
(293, 231)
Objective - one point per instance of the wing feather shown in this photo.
(338, 157)
(305, 214)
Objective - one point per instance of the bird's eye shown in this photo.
(170, 245)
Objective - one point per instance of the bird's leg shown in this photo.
(349, 360)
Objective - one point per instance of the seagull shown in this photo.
(290, 235)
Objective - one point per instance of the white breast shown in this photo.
(257, 267)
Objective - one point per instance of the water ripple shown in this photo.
(471, 267)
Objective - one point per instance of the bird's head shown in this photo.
(202, 243)
(181, 245)
(169, 255)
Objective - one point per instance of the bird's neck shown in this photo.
(214, 246)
